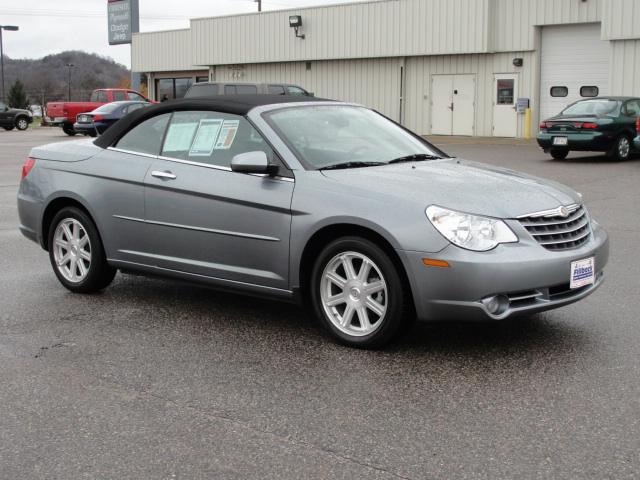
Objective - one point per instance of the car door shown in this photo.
(5, 116)
(630, 113)
(117, 189)
(204, 219)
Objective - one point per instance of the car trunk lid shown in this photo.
(72, 151)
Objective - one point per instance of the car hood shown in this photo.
(460, 185)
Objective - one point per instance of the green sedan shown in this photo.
(601, 124)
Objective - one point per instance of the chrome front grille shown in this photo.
(556, 231)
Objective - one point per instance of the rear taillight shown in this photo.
(590, 125)
(638, 125)
(28, 165)
(543, 125)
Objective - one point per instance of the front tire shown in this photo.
(76, 252)
(357, 293)
(558, 154)
(621, 149)
(22, 123)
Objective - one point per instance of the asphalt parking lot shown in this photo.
(159, 380)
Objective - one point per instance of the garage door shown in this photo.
(572, 57)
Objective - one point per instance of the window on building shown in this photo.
(212, 138)
(506, 87)
(202, 79)
(589, 91)
(276, 89)
(170, 88)
(146, 137)
(559, 91)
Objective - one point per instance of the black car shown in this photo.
(600, 124)
(11, 118)
(206, 89)
(96, 122)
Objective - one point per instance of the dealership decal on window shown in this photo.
(227, 135)
(206, 137)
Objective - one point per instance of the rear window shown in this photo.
(203, 90)
(593, 107)
(108, 108)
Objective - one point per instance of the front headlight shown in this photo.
(470, 231)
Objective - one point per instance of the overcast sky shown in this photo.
(52, 26)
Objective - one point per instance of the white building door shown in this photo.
(453, 104)
(505, 117)
(571, 57)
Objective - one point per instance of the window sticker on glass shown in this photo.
(206, 137)
(179, 137)
(227, 134)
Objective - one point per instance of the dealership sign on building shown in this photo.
(123, 20)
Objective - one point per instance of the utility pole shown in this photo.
(259, 2)
(69, 66)
(11, 28)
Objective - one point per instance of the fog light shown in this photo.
(496, 304)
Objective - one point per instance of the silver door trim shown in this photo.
(131, 152)
(200, 229)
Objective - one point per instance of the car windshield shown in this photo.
(108, 108)
(592, 107)
(332, 135)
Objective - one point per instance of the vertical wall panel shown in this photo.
(624, 74)
(419, 71)
(375, 83)
(162, 51)
(621, 19)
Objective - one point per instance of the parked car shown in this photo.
(207, 89)
(323, 202)
(96, 122)
(64, 114)
(11, 118)
(601, 124)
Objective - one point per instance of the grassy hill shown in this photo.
(47, 78)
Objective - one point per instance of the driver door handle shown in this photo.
(164, 175)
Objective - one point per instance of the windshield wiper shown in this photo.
(416, 157)
(339, 166)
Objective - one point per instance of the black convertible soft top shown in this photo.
(233, 104)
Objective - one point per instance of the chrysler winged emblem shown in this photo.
(563, 211)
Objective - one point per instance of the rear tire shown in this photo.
(358, 294)
(621, 149)
(68, 129)
(76, 252)
(558, 154)
(22, 123)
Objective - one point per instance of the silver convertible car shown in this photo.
(322, 202)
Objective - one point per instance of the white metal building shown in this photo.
(449, 67)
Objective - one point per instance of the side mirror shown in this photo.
(253, 162)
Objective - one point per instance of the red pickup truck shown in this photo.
(64, 114)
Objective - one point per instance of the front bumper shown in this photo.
(532, 278)
(583, 141)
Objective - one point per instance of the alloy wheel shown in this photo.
(22, 124)
(354, 293)
(624, 147)
(72, 250)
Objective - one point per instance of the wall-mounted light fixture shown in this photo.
(295, 22)
(517, 62)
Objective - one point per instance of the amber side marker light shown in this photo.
(430, 262)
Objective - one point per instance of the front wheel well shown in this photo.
(54, 207)
(327, 234)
